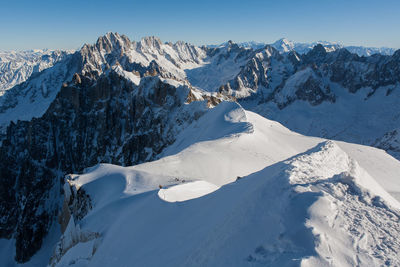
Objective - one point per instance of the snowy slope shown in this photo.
(17, 67)
(356, 118)
(181, 62)
(32, 97)
(334, 95)
(299, 200)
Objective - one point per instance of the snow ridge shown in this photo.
(206, 161)
(312, 205)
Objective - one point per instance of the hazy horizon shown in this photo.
(70, 24)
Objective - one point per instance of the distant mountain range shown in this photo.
(16, 67)
(284, 45)
(275, 139)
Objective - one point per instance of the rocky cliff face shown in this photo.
(106, 120)
(33, 97)
(149, 57)
(123, 102)
(271, 71)
(335, 94)
(97, 117)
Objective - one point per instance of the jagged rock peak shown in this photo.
(231, 43)
(232, 46)
(319, 48)
(284, 44)
(283, 41)
(316, 54)
(111, 40)
(178, 43)
(151, 41)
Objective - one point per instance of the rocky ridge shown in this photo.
(124, 102)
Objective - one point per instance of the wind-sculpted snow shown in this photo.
(109, 120)
(179, 114)
(263, 80)
(351, 213)
(316, 208)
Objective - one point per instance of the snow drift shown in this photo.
(244, 192)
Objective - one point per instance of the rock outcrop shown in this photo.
(108, 119)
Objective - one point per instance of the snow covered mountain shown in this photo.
(369, 51)
(335, 95)
(245, 191)
(17, 67)
(187, 118)
(284, 45)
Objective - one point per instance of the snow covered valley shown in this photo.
(255, 195)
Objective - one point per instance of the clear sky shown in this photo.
(27, 24)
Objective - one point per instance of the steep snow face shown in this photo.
(231, 143)
(110, 119)
(354, 118)
(333, 95)
(32, 98)
(220, 66)
(17, 67)
(284, 45)
(255, 194)
(127, 102)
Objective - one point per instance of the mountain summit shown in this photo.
(153, 134)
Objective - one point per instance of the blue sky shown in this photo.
(26, 24)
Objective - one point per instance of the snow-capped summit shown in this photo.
(112, 41)
(284, 45)
(150, 42)
(188, 120)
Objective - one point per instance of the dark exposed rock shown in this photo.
(62, 71)
(110, 120)
(314, 93)
(390, 142)
(340, 66)
(99, 116)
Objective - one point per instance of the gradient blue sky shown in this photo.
(26, 24)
